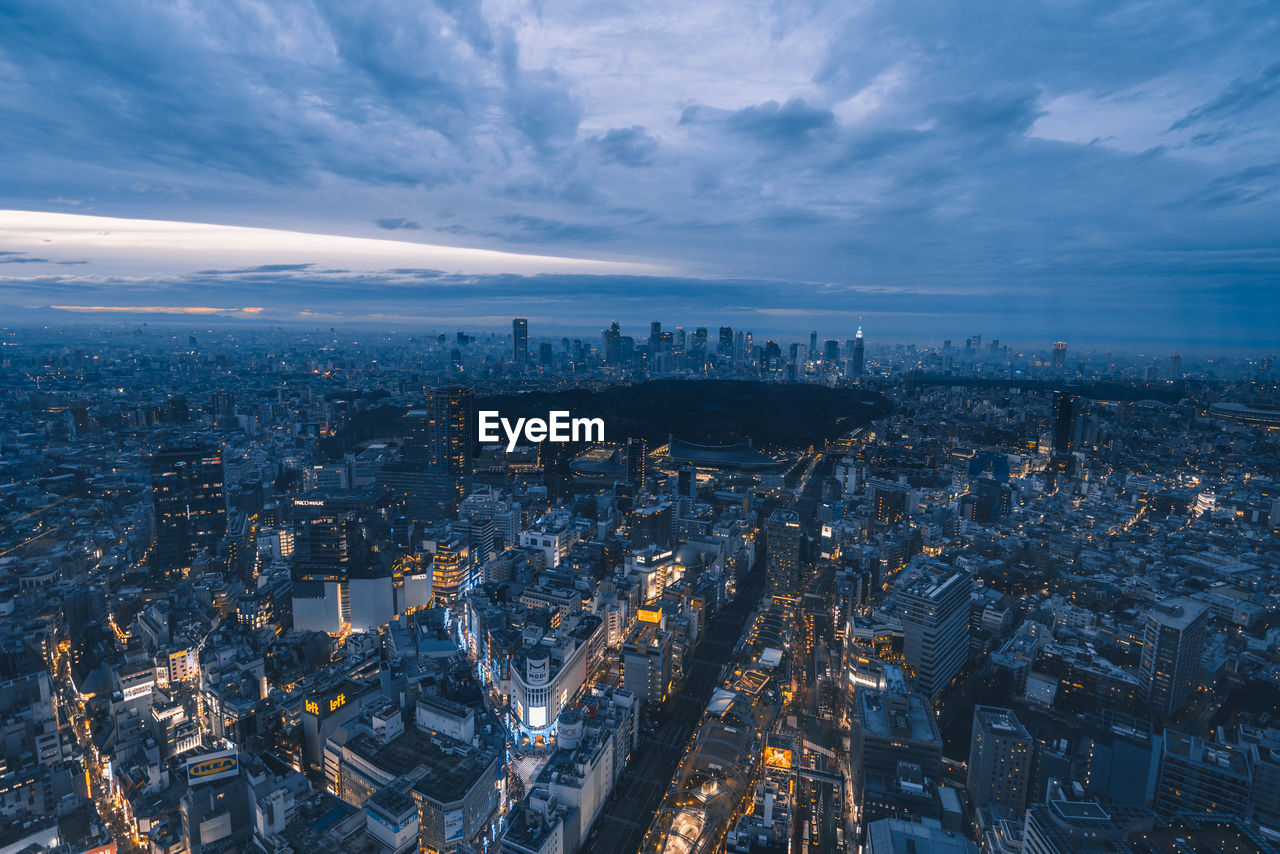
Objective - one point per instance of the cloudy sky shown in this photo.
(1103, 172)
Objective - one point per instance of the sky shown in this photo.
(1097, 172)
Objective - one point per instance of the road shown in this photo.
(625, 819)
(623, 822)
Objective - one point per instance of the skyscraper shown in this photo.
(1000, 751)
(435, 473)
(655, 336)
(1060, 354)
(1064, 405)
(520, 341)
(858, 353)
(186, 496)
(783, 532)
(698, 347)
(726, 343)
(637, 461)
(1173, 640)
(934, 608)
(452, 413)
(612, 344)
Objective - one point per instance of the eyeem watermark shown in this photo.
(558, 426)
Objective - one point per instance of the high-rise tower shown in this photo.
(1000, 752)
(783, 567)
(435, 474)
(1064, 406)
(520, 341)
(1173, 640)
(613, 344)
(186, 495)
(934, 608)
(637, 461)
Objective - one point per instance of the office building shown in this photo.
(1062, 826)
(520, 341)
(783, 533)
(646, 663)
(637, 462)
(1173, 641)
(893, 729)
(437, 467)
(858, 359)
(698, 348)
(1118, 756)
(1197, 776)
(453, 568)
(1000, 752)
(934, 608)
(190, 512)
(889, 500)
(899, 836)
(611, 340)
(1064, 405)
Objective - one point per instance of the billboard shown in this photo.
(452, 826)
(212, 766)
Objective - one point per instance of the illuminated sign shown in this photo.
(777, 757)
(334, 703)
(650, 615)
(213, 766)
(826, 532)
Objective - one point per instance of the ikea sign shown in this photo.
(213, 766)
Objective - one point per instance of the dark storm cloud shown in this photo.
(627, 146)
(771, 123)
(990, 116)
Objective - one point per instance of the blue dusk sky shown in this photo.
(1104, 172)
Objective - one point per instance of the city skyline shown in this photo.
(273, 590)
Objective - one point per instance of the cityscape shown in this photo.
(565, 427)
(265, 590)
